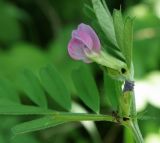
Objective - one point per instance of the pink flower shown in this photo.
(84, 42)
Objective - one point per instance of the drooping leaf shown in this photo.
(55, 86)
(17, 109)
(86, 88)
(7, 91)
(33, 89)
(35, 125)
(128, 40)
(105, 20)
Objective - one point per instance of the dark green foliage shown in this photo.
(7, 91)
(9, 26)
(30, 84)
(55, 86)
(86, 88)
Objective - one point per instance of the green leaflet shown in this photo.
(124, 35)
(35, 125)
(18, 109)
(56, 119)
(105, 20)
(128, 40)
(55, 86)
(119, 28)
(30, 84)
(110, 91)
(86, 88)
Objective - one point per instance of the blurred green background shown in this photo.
(36, 33)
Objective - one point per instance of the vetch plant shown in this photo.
(111, 48)
(119, 33)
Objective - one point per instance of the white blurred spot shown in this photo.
(152, 138)
(148, 91)
(140, 94)
(157, 8)
(89, 125)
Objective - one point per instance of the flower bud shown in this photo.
(84, 42)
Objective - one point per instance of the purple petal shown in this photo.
(84, 37)
(87, 29)
(76, 50)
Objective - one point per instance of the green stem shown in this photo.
(133, 124)
(129, 108)
(82, 117)
(136, 132)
